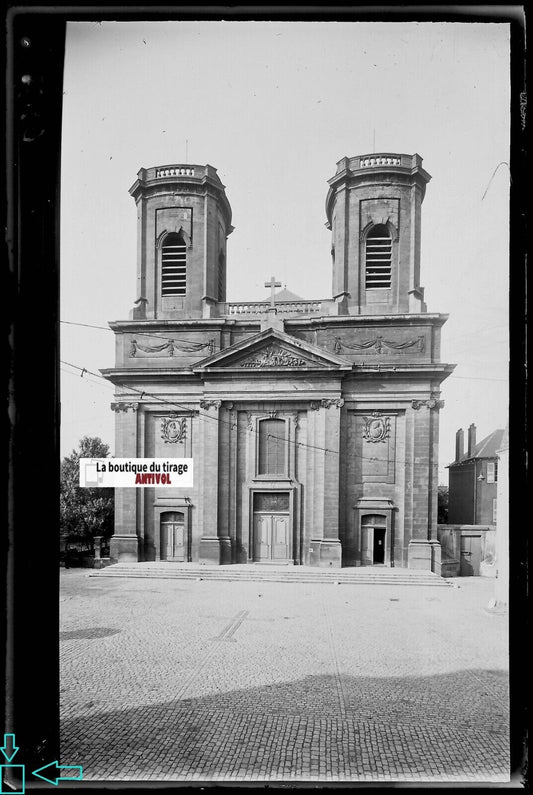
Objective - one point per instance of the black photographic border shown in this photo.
(30, 554)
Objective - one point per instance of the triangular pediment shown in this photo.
(272, 350)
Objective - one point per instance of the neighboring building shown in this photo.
(313, 424)
(468, 541)
(473, 479)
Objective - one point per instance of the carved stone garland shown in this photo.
(379, 344)
(170, 346)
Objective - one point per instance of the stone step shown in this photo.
(253, 573)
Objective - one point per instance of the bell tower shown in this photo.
(373, 209)
(183, 221)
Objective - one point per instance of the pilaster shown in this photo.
(325, 546)
(124, 545)
(215, 546)
(424, 549)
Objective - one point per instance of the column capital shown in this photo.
(124, 406)
(207, 404)
(431, 403)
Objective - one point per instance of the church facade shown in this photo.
(313, 424)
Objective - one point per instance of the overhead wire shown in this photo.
(175, 405)
(141, 333)
(205, 415)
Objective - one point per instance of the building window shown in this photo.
(271, 502)
(374, 520)
(492, 472)
(172, 517)
(173, 266)
(494, 511)
(378, 257)
(272, 447)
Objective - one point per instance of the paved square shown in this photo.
(179, 680)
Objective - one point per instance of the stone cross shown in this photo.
(272, 284)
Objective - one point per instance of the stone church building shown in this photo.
(313, 424)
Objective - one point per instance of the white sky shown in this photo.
(273, 106)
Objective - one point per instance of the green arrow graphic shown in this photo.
(9, 749)
(54, 777)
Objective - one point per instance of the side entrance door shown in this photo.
(271, 526)
(373, 539)
(379, 546)
(173, 541)
(470, 556)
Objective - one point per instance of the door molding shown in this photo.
(368, 506)
(294, 491)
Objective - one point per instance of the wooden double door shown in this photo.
(173, 536)
(271, 532)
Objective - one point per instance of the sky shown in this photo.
(273, 106)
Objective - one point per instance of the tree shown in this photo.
(84, 512)
(442, 510)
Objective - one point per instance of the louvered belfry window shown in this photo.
(378, 257)
(173, 266)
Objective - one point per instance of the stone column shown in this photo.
(215, 546)
(124, 544)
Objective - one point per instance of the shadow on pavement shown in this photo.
(88, 633)
(449, 727)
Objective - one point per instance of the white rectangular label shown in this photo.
(136, 472)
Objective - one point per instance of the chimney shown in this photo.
(459, 444)
(471, 440)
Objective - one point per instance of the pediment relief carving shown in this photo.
(273, 351)
(274, 356)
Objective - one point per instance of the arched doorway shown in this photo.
(172, 535)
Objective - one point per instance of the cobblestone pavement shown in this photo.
(192, 681)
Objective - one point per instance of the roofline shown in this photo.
(125, 325)
(472, 458)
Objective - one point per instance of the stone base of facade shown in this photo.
(101, 563)
(124, 549)
(215, 550)
(326, 553)
(450, 568)
(424, 555)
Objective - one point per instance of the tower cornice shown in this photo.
(380, 167)
(179, 178)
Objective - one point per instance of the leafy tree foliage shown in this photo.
(442, 509)
(84, 512)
